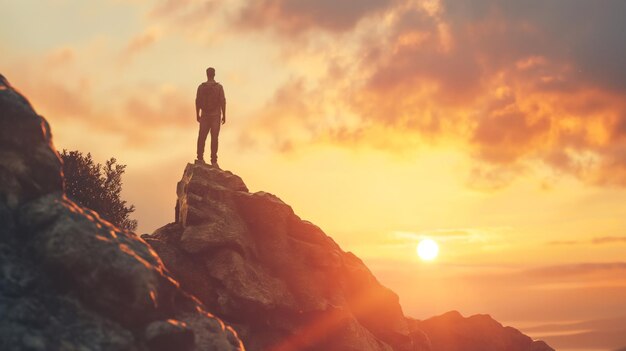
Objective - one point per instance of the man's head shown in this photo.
(210, 73)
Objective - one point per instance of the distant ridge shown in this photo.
(452, 332)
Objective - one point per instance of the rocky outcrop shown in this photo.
(279, 280)
(285, 285)
(452, 332)
(70, 280)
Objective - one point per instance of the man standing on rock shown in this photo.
(211, 101)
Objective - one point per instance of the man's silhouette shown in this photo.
(211, 113)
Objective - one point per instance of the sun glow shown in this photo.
(427, 249)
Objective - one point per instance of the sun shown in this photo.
(427, 249)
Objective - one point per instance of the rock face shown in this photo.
(452, 332)
(70, 280)
(279, 280)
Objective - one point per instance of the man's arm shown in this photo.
(197, 105)
(224, 112)
(223, 107)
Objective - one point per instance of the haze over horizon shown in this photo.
(496, 128)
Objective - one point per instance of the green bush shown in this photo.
(97, 187)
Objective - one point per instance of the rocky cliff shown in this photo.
(70, 280)
(285, 285)
(282, 282)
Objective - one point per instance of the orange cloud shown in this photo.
(186, 14)
(501, 84)
(52, 83)
(597, 241)
(135, 115)
(154, 107)
(292, 116)
(609, 240)
(139, 43)
(295, 16)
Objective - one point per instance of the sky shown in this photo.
(495, 127)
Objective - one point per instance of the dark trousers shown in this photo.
(209, 124)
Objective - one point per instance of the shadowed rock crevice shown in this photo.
(70, 280)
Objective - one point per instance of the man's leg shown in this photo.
(202, 134)
(215, 132)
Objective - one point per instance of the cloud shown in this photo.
(467, 235)
(294, 115)
(506, 133)
(596, 241)
(295, 16)
(139, 43)
(137, 115)
(575, 270)
(516, 87)
(609, 240)
(60, 57)
(606, 333)
(144, 114)
(185, 10)
(563, 242)
(492, 177)
(51, 82)
(191, 16)
(159, 106)
(582, 32)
